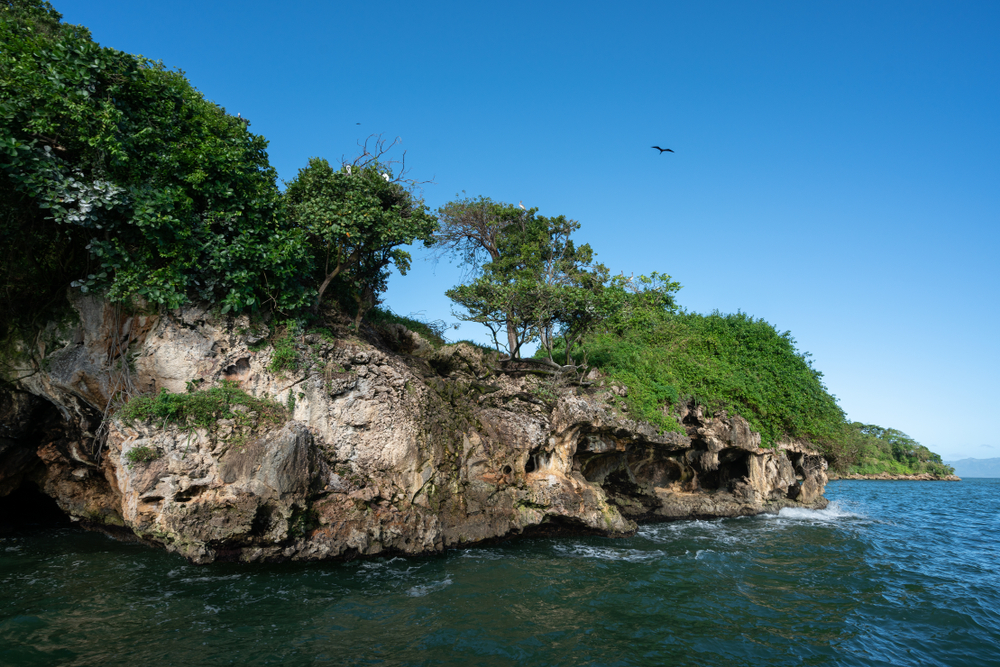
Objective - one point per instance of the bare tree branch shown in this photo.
(374, 150)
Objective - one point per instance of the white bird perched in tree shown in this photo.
(348, 170)
(386, 177)
(521, 204)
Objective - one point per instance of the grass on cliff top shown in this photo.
(732, 362)
(200, 408)
(432, 332)
(747, 367)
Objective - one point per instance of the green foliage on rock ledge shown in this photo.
(201, 408)
(733, 362)
(141, 454)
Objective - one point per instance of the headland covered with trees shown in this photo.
(118, 178)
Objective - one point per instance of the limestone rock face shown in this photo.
(390, 448)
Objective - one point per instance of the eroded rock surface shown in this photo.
(398, 448)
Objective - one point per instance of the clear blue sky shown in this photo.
(836, 169)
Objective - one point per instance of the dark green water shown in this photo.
(900, 573)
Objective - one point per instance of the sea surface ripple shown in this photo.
(892, 573)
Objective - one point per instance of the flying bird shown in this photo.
(663, 150)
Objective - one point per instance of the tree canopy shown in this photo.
(138, 184)
(354, 219)
(117, 176)
(538, 285)
(530, 280)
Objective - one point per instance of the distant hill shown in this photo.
(976, 467)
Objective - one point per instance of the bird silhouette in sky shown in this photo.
(663, 150)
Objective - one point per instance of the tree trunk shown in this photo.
(512, 345)
(322, 288)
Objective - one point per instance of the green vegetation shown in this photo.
(867, 449)
(141, 454)
(532, 282)
(285, 356)
(200, 408)
(117, 177)
(353, 221)
(432, 332)
(732, 362)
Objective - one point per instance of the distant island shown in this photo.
(976, 467)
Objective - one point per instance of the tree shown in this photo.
(538, 285)
(471, 229)
(353, 220)
(119, 176)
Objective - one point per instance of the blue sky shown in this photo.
(836, 168)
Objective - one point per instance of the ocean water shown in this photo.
(892, 573)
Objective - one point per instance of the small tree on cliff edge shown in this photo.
(354, 219)
(471, 229)
(541, 285)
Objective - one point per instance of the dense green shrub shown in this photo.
(117, 175)
(199, 409)
(744, 365)
(141, 454)
(732, 362)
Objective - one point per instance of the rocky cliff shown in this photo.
(384, 447)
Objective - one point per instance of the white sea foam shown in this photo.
(198, 580)
(484, 554)
(833, 512)
(433, 587)
(609, 553)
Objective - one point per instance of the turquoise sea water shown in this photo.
(893, 573)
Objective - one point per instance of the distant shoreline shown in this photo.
(888, 477)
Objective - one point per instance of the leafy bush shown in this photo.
(285, 356)
(732, 362)
(117, 175)
(141, 454)
(199, 409)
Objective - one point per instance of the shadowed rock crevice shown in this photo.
(28, 507)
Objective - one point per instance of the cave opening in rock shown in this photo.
(622, 482)
(530, 465)
(733, 466)
(654, 471)
(28, 507)
(263, 520)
